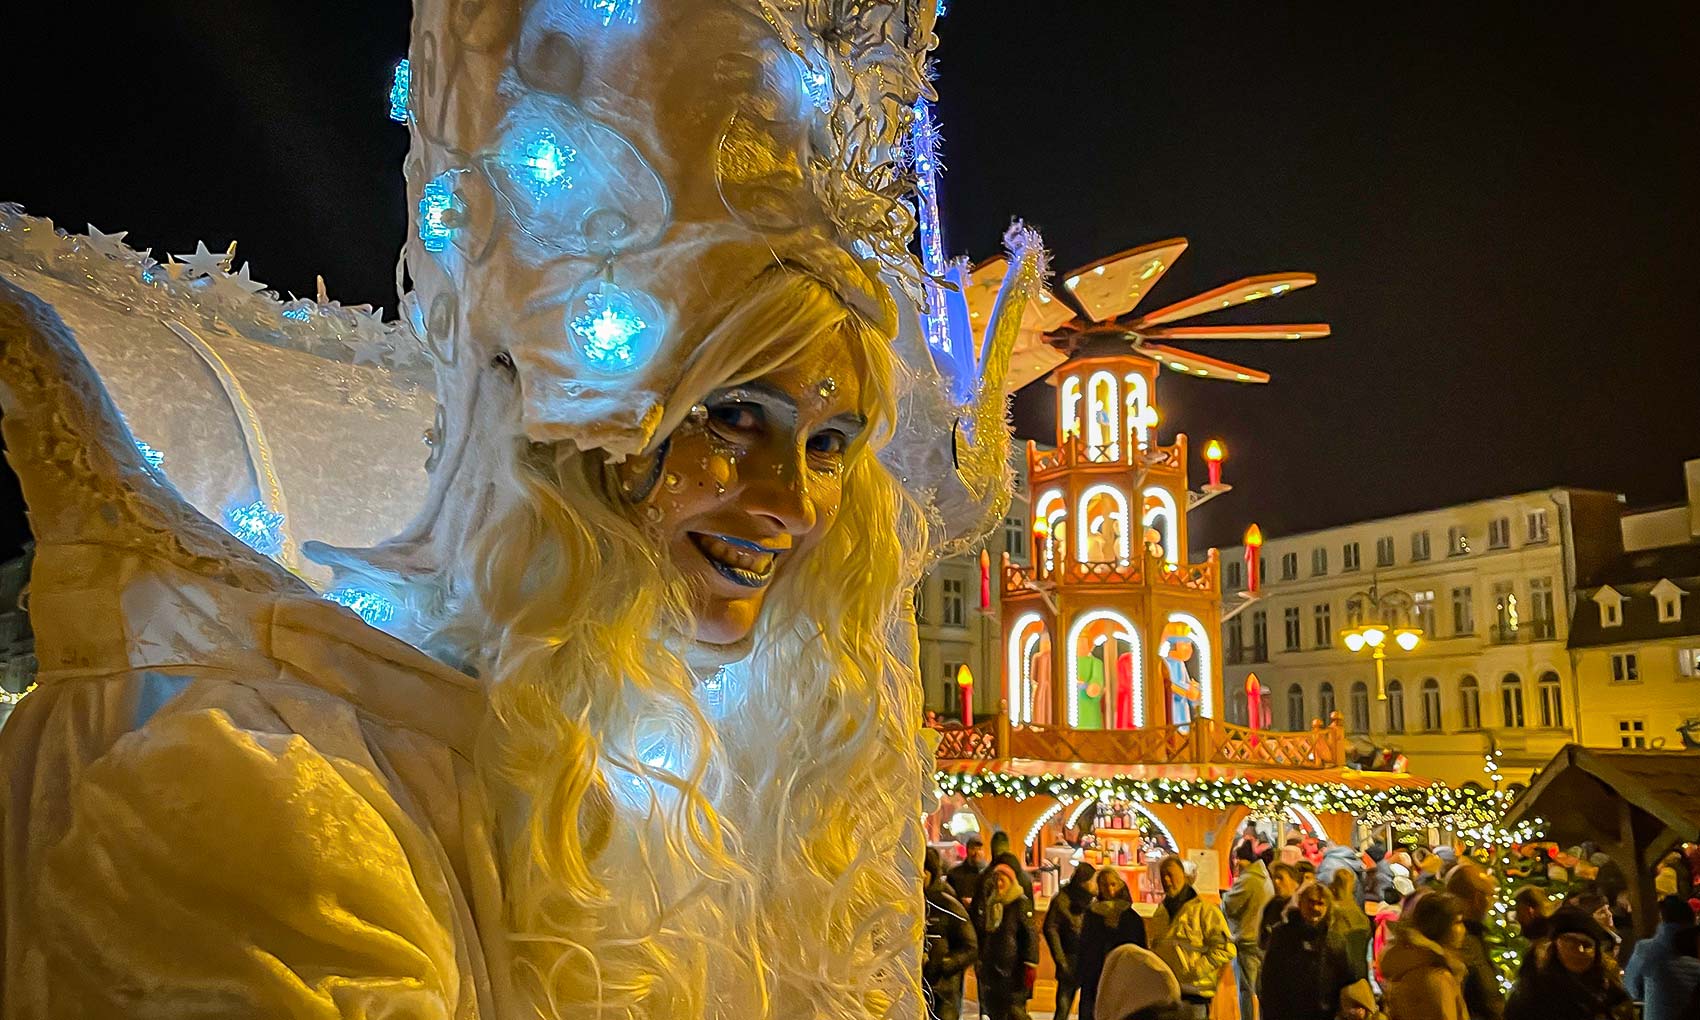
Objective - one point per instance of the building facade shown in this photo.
(1490, 584)
(1635, 633)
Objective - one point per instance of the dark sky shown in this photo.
(1491, 195)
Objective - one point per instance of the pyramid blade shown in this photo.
(1251, 288)
(1289, 331)
(1202, 367)
(1111, 287)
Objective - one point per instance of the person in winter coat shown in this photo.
(1243, 908)
(1475, 888)
(1307, 962)
(1425, 977)
(1063, 921)
(1378, 883)
(951, 946)
(1110, 922)
(1349, 916)
(1381, 925)
(1285, 878)
(1571, 980)
(1357, 1002)
(964, 879)
(1009, 947)
(1337, 858)
(1655, 974)
(1002, 854)
(1191, 936)
(1137, 986)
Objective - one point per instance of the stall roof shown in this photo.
(1569, 792)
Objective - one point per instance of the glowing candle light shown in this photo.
(985, 582)
(965, 684)
(1213, 454)
(1253, 555)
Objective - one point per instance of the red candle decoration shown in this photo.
(985, 581)
(1254, 704)
(1213, 454)
(965, 684)
(1253, 554)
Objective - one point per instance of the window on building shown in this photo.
(1260, 636)
(1360, 707)
(1499, 533)
(1289, 566)
(1611, 614)
(1349, 559)
(1324, 630)
(1540, 618)
(1505, 618)
(1511, 700)
(1354, 612)
(1463, 612)
(1419, 545)
(1537, 524)
(1325, 703)
(1233, 574)
(1290, 616)
(1318, 562)
(1296, 720)
(1670, 609)
(1632, 733)
(1470, 703)
(1623, 668)
(1688, 661)
(1422, 610)
(953, 595)
(1395, 707)
(1457, 541)
(1384, 551)
(1235, 637)
(1431, 705)
(1552, 700)
(1015, 537)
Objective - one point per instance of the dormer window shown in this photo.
(1669, 599)
(1611, 606)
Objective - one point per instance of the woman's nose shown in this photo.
(776, 487)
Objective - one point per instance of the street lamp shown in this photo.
(1384, 612)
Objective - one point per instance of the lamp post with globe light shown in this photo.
(1389, 617)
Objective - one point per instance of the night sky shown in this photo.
(1492, 199)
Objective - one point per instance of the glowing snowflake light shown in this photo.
(610, 11)
(398, 93)
(151, 455)
(257, 525)
(368, 605)
(543, 160)
(614, 329)
(817, 86)
(297, 314)
(436, 213)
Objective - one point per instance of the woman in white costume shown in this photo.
(649, 747)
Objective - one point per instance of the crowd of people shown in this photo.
(1309, 933)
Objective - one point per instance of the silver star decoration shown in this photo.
(110, 245)
(203, 262)
(367, 350)
(241, 279)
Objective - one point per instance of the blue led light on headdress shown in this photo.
(613, 328)
(151, 455)
(368, 605)
(257, 525)
(614, 10)
(398, 92)
(540, 162)
(436, 213)
(923, 147)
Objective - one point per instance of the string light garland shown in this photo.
(1473, 814)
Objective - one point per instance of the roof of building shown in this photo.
(1570, 791)
(1633, 575)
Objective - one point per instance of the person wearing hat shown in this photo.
(1308, 960)
(1009, 947)
(1398, 896)
(951, 945)
(1571, 980)
(1064, 919)
(1475, 888)
(1137, 985)
(1357, 1002)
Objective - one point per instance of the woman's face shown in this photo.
(752, 484)
(1577, 952)
(1313, 906)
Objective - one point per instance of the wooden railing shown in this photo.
(1205, 742)
(1074, 452)
(1017, 579)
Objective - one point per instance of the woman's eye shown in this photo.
(742, 419)
(830, 442)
